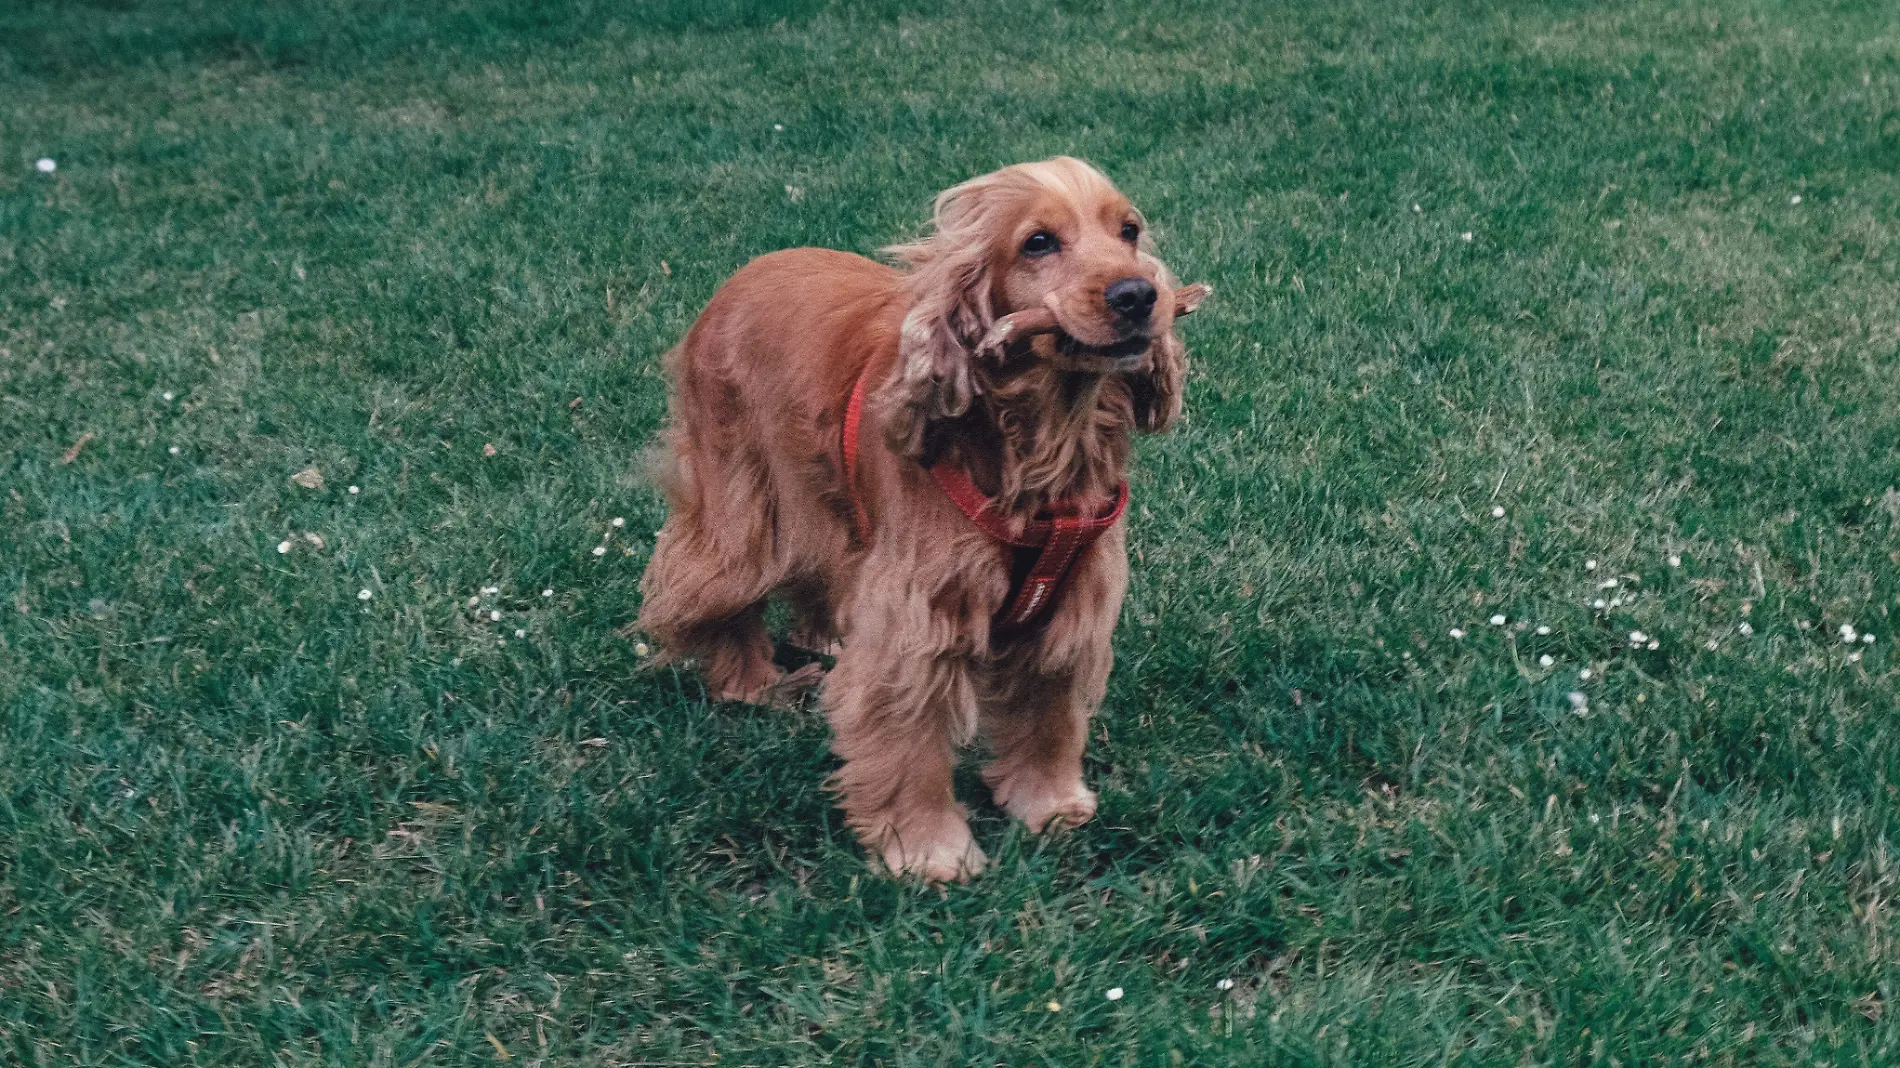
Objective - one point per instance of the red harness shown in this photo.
(1039, 556)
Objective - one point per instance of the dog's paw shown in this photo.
(1042, 805)
(758, 688)
(949, 856)
(793, 686)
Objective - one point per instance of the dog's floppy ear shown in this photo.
(949, 287)
(935, 380)
(1157, 388)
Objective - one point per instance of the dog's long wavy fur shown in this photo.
(754, 476)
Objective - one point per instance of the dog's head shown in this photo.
(1055, 240)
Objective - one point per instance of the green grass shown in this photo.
(249, 818)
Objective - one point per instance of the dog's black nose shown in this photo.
(1131, 298)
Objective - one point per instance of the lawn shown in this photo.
(1482, 694)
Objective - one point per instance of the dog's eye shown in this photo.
(1130, 231)
(1040, 243)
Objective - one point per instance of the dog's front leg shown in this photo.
(1039, 695)
(898, 714)
(1037, 725)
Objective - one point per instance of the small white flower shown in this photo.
(1224, 984)
(1497, 620)
(1854, 657)
(547, 593)
(1416, 210)
(1497, 512)
(456, 662)
(600, 550)
(1616, 602)
(490, 591)
(356, 489)
(640, 649)
(1796, 199)
(167, 394)
(1594, 818)
(45, 165)
(1584, 674)
(283, 546)
(1607, 584)
(1543, 630)
(173, 450)
(1653, 644)
(1598, 604)
(1745, 629)
(1848, 634)
(1114, 993)
(1546, 660)
(473, 601)
(521, 633)
(364, 595)
(619, 522)
(1675, 561)
(1579, 703)
(778, 127)
(1466, 236)
(1803, 624)
(1867, 639)
(1589, 565)
(1457, 632)
(1637, 637)
(494, 617)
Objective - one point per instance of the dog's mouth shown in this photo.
(1123, 355)
(1040, 330)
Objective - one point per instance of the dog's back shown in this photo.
(784, 319)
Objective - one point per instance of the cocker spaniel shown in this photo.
(927, 463)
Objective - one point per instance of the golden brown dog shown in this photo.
(1029, 335)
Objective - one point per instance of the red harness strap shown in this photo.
(1060, 539)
